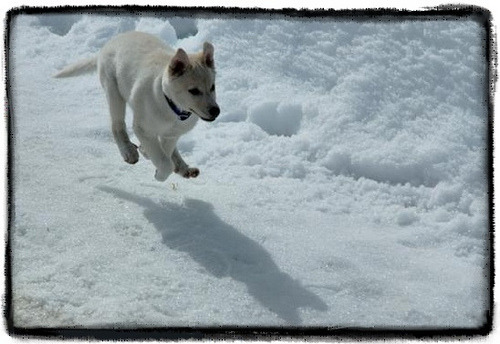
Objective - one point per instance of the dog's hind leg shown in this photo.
(117, 110)
(152, 148)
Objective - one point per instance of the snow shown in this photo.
(277, 119)
(344, 183)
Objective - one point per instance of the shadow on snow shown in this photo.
(223, 251)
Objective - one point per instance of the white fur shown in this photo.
(139, 69)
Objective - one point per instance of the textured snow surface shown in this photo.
(344, 183)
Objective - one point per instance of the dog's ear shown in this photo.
(178, 63)
(208, 54)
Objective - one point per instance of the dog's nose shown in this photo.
(214, 111)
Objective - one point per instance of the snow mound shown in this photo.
(184, 27)
(406, 217)
(60, 24)
(159, 27)
(277, 118)
(92, 32)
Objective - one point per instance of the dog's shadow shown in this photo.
(222, 250)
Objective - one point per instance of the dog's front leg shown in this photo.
(152, 147)
(182, 168)
(168, 144)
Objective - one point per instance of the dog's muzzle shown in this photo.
(214, 112)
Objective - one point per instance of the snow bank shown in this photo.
(277, 119)
(343, 184)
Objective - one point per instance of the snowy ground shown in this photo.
(344, 183)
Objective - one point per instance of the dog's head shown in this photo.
(191, 82)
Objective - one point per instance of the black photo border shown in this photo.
(449, 12)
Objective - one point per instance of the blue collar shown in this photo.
(182, 115)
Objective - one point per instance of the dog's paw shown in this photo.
(191, 172)
(130, 154)
(161, 176)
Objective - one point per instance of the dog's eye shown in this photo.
(212, 88)
(195, 92)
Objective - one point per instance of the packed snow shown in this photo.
(343, 185)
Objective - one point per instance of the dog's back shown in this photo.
(131, 57)
(130, 46)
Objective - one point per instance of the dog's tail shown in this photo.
(88, 65)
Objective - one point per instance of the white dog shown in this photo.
(167, 90)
